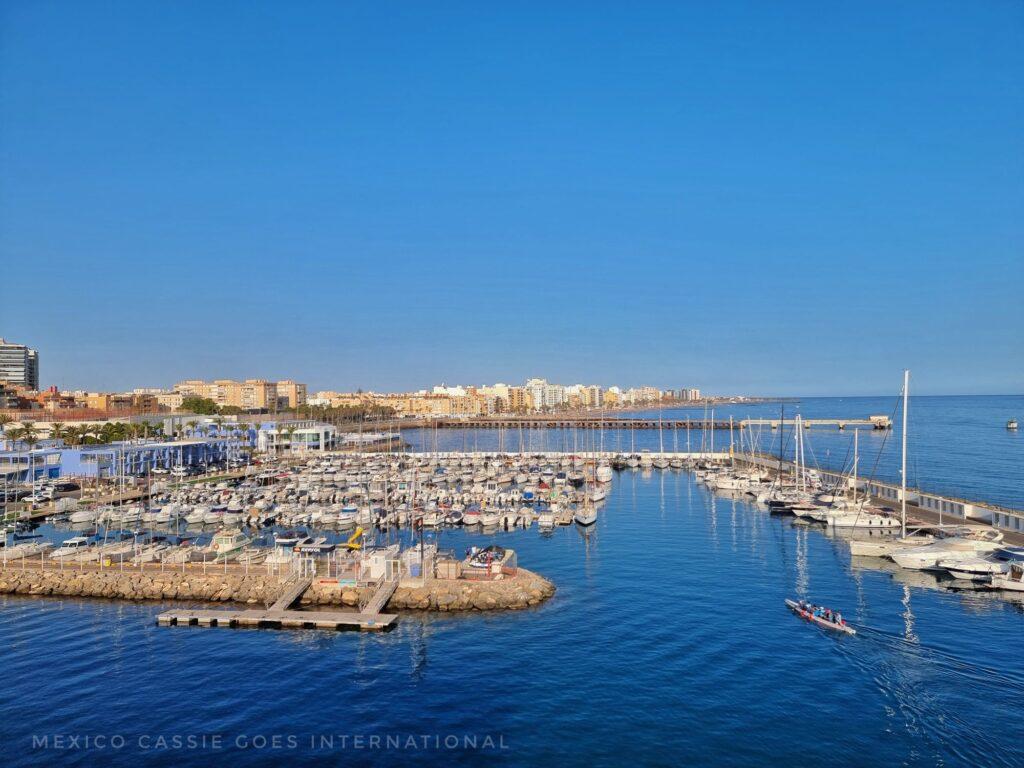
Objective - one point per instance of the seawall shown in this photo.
(523, 590)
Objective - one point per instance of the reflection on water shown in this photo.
(668, 639)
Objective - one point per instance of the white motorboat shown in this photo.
(886, 547)
(71, 546)
(27, 549)
(84, 516)
(604, 473)
(928, 556)
(151, 552)
(1012, 580)
(973, 568)
(195, 517)
(546, 520)
(864, 519)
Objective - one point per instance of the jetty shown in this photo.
(588, 421)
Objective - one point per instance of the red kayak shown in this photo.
(806, 613)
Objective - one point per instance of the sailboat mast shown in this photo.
(856, 455)
(903, 471)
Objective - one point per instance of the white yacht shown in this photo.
(886, 547)
(928, 556)
(973, 568)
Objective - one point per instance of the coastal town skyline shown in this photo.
(72, 381)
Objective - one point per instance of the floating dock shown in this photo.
(280, 615)
(335, 620)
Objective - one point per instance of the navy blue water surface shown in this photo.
(667, 643)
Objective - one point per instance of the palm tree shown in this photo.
(58, 431)
(72, 436)
(192, 426)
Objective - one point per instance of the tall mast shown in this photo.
(903, 472)
(855, 457)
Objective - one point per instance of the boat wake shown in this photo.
(915, 680)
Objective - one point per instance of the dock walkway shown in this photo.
(274, 619)
(279, 615)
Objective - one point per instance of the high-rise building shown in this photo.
(19, 365)
(251, 394)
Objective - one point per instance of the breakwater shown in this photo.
(516, 592)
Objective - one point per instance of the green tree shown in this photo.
(204, 406)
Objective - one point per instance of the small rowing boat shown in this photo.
(807, 612)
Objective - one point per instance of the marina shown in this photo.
(715, 547)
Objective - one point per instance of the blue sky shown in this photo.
(768, 197)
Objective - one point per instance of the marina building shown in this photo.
(301, 436)
(19, 365)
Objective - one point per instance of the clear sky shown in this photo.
(766, 197)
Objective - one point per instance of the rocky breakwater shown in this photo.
(134, 585)
(523, 590)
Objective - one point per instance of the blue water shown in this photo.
(957, 446)
(667, 643)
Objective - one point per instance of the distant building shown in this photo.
(249, 395)
(19, 365)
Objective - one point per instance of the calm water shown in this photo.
(667, 643)
(956, 445)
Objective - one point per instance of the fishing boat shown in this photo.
(806, 611)
(226, 545)
(1011, 424)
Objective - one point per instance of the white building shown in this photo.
(286, 437)
(19, 365)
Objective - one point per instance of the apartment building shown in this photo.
(19, 365)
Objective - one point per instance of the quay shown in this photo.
(927, 508)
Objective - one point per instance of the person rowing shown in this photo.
(826, 617)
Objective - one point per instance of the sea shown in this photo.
(667, 642)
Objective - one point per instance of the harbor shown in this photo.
(369, 531)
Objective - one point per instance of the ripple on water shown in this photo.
(667, 641)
